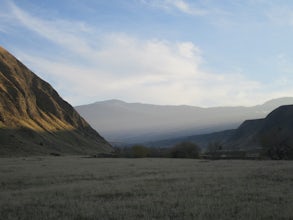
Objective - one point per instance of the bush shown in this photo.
(185, 150)
(139, 151)
(276, 147)
(214, 147)
(214, 150)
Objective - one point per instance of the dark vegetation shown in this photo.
(181, 150)
(272, 148)
(277, 147)
(185, 150)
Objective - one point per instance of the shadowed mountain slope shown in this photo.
(34, 119)
(276, 129)
(202, 140)
(246, 135)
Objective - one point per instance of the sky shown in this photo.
(168, 52)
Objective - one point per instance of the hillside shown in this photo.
(246, 136)
(34, 119)
(119, 121)
(274, 133)
(202, 140)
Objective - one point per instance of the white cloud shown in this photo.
(180, 5)
(117, 65)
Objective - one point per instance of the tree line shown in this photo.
(180, 150)
(272, 148)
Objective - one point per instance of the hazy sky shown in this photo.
(200, 52)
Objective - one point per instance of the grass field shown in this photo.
(94, 188)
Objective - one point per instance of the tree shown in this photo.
(214, 147)
(139, 151)
(276, 146)
(185, 150)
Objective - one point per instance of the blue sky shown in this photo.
(200, 52)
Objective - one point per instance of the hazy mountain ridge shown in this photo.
(119, 121)
(34, 119)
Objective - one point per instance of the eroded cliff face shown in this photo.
(32, 113)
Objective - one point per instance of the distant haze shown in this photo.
(119, 121)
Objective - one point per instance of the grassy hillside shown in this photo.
(34, 119)
(91, 188)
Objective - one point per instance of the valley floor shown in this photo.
(74, 187)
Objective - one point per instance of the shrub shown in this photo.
(214, 147)
(276, 147)
(135, 151)
(185, 150)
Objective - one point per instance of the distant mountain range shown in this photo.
(128, 123)
(34, 119)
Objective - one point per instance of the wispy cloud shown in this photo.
(180, 5)
(280, 15)
(64, 33)
(115, 65)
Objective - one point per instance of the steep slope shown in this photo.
(119, 121)
(276, 129)
(246, 135)
(34, 119)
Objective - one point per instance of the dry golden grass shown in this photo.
(35, 120)
(92, 188)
